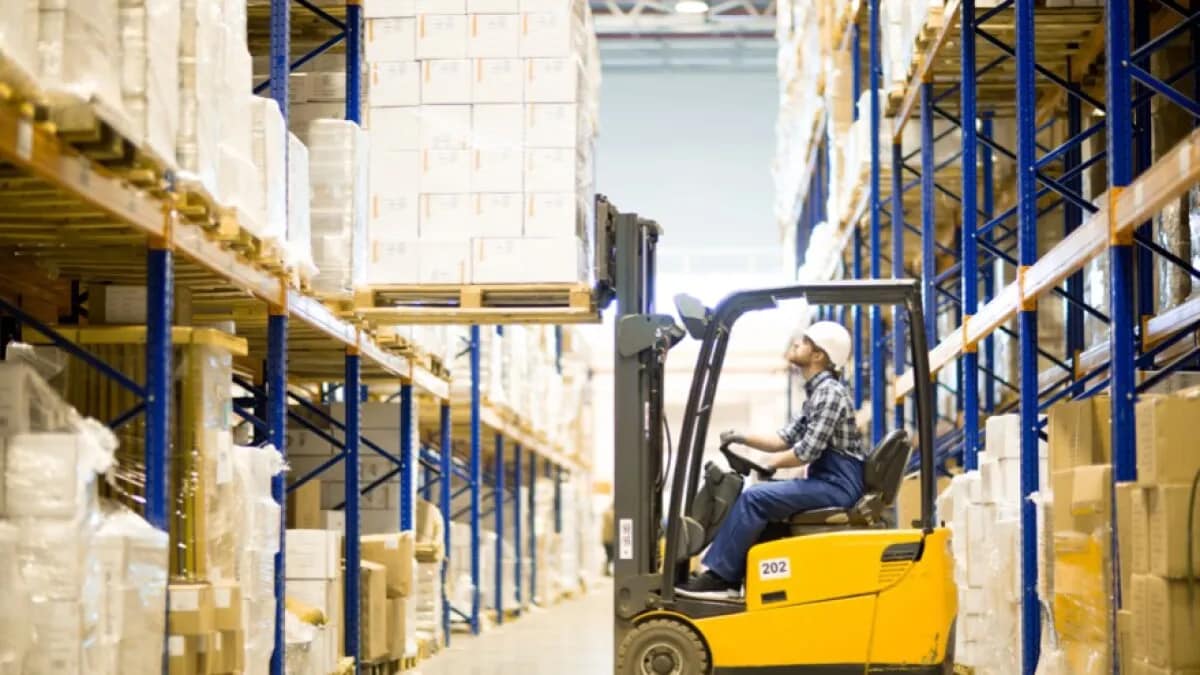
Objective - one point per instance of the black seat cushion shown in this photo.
(882, 474)
(827, 516)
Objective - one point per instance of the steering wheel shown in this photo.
(743, 466)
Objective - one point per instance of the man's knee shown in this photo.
(753, 497)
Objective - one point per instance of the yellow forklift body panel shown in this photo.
(846, 599)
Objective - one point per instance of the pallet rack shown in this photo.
(148, 234)
(1042, 65)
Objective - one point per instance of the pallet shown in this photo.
(428, 648)
(478, 303)
(104, 136)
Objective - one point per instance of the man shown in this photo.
(824, 437)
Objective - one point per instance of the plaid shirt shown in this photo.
(826, 422)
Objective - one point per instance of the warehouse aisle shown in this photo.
(573, 637)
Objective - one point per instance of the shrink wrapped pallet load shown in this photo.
(150, 41)
(338, 176)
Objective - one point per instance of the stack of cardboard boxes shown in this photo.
(482, 117)
(428, 598)
(1161, 603)
(314, 578)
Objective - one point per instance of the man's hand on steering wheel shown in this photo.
(730, 437)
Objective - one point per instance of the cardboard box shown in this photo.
(446, 217)
(441, 6)
(431, 526)
(116, 304)
(190, 609)
(394, 83)
(498, 81)
(550, 34)
(395, 552)
(443, 262)
(313, 554)
(1163, 432)
(498, 215)
(1145, 668)
(556, 214)
(374, 612)
(494, 36)
(326, 87)
(393, 209)
(497, 125)
(493, 6)
(394, 129)
(552, 170)
(1080, 433)
(1172, 620)
(497, 170)
(1125, 639)
(501, 260)
(392, 261)
(228, 651)
(44, 476)
(552, 125)
(445, 127)
(304, 506)
(441, 36)
(373, 9)
(1140, 503)
(444, 172)
(397, 626)
(390, 39)
(1091, 490)
(1139, 627)
(188, 655)
(227, 605)
(557, 80)
(322, 594)
(1168, 532)
(446, 81)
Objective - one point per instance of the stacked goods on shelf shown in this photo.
(299, 218)
(1160, 607)
(379, 508)
(149, 38)
(337, 173)
(78, 43)
(482, 136)
(428, 597)
(396, 552)
(983, 510)
(314, 581)
(18, 40)
(200, 58)
(84, 580)
(1074, 578)
(800, 70)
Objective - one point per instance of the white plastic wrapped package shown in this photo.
(77, 48)
(261, 519)
(200, 43)
(18, 41)
(299, 228)
(149, 32)
(133, 561)
(52, 474)
(27, 403)
(236, 85)
(16, 634)
(428, 600)
(241, 186)
(269, 152)
(338, 177)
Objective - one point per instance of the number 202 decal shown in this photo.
(775, 568)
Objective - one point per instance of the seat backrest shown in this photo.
(884, 470)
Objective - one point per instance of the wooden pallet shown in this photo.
(103, 135)
(427, 649)
(478, 303)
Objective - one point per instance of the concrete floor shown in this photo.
(573, 637)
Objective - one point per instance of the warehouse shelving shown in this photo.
(1040, 64)
(68, 215)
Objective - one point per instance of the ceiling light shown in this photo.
(691, 7)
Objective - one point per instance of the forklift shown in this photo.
(829, 591)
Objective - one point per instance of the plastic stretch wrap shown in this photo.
(150, 72)
(258, 542)
(269, 151)
(299, 228)
(133, 561)
(77, 48)
(16, 634)
(428, 599)
(199, 103)
(18, 38)
(1178, 231)
(241, 186)
(338, 175)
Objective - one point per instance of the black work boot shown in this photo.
(709, 586)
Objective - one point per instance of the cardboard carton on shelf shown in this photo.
(374, 611)
(395, 552)
(1168, 535)
(1163, 428)
(190, 609)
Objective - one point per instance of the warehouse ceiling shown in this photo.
(733, 35)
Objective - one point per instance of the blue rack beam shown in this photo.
(476, 479)
(444, 428)
(498, 498)
(878, 419)
(351, 598)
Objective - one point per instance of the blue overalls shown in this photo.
(834, 479)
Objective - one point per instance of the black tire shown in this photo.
(662, 647)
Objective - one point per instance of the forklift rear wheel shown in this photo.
(662, 647)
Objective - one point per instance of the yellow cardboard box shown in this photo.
(1169, 535)
(374, 612)
(395, 552)
(1164, 436)
(1172, 623)
(1080, 433)
(190, 609)
(189, 654)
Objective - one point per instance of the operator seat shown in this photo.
(882, 474)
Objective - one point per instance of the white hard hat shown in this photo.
(833, 339)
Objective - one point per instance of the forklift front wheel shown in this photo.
(662, 647)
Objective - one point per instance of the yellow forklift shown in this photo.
(829, 591)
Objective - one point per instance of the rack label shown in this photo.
(774, 568)
(626, 539)
(24, 139)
